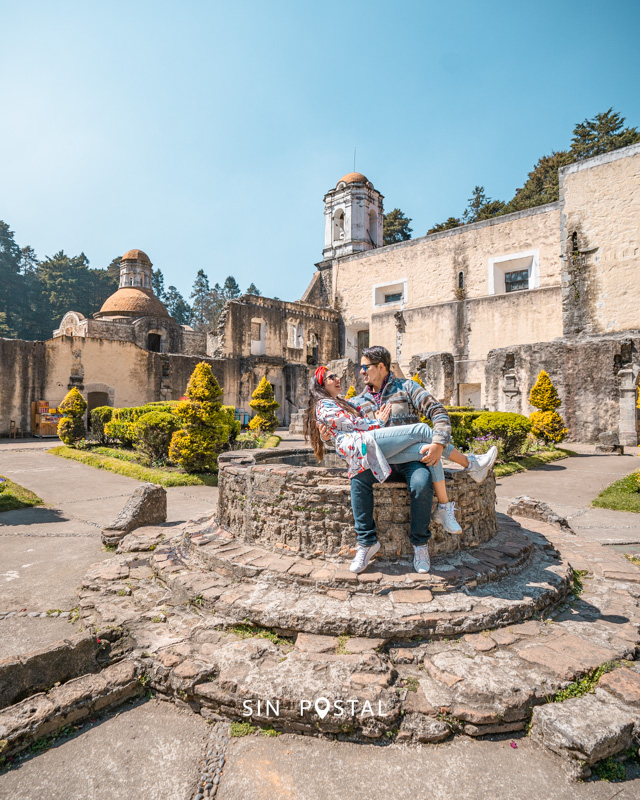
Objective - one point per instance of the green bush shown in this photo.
(548, 426)
(71, 430)
(462, 425)
(511, 428)
(121, 426)
(153, 434)
(206, 425)
(71, 427)
(264, 404)
(100, 416)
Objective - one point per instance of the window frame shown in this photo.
(497, 271)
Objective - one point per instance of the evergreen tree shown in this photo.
(71, 427)
(157, 282)
(9, 281)
(543, 394)
(546, 423)
(541, 185)
(351, 392)
(231, 290)
(253, 289)
(177, 306)
(264, 404)
(481, 207)
(603, 133)
(452, 222)
(201, 302)
(395, 227)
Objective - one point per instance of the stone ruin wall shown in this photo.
(596, 379)
(308, 510)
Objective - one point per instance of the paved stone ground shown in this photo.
(150, 751)
(153, 750)
(46, 550)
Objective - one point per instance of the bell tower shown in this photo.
(352, 217)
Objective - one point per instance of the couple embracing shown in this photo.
(379, 433)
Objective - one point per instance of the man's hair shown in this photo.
(378, 355)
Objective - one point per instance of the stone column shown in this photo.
(627, 429)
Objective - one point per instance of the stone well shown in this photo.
(285, 498)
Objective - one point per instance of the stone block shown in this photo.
(582, 731)
(529, 507)
(421, 728)
(146, 506)
(623, 684)
(411, 596)
(315, 643)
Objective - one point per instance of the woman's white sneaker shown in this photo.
(363, 557)
(479, 466)
(421, 560)
(445, 515)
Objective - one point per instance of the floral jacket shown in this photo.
(352, 439)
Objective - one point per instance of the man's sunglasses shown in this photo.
(365, 367)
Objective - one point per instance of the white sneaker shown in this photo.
(445, 515)
(421, 560)
(363, 557)
(479, 466)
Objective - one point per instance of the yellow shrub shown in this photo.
(548, 425)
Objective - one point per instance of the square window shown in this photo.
(395, 297)
(388, 293)
(516, 281)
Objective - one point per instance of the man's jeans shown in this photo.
(400, 446)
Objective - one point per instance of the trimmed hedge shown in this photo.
(153, 434)
(121, 426)
(511, 428)
(98, 419)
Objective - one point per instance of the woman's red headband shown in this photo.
(320, 373)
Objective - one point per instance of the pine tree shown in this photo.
(264, 404)
(231, 290)
(201, 302)
(253, 289)
(603, 133)
(157, 282)
(447, 225)
(395, 227)
(177, 306)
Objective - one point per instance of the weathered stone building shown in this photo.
(477, 310)
(132, 352)
(483, 307)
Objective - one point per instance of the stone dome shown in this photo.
(132, 301)
(353, 177)
(136, 255)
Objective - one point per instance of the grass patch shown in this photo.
(623, 495)
(584, 685)
(15, 496)
(247, 631)
(577, 586)
(165, 477)
(610, 770)
(341, 648)
(524, 463)
(238, 729)
(272, 441)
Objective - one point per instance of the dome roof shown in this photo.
(132, 301)
(353, 177)
(136, 255)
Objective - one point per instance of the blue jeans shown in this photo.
(400, 445)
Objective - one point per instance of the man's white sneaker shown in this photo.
(363, 557)
(421, 560)
(445, 515)
(479, 466)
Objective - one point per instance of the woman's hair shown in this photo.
(311, 432)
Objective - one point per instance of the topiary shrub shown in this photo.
(153, 434)
(351, 392)
(546, 423)
(121, 426)
(543, 394)
(511, 428)
(205, 425)
(234, 424)
(99, 417)
(264, 404)
(71, 427)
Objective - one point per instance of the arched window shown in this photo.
(373, 228)
(338, 226)
(574, 241)
(461, 280)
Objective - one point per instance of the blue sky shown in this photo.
(207, 133)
